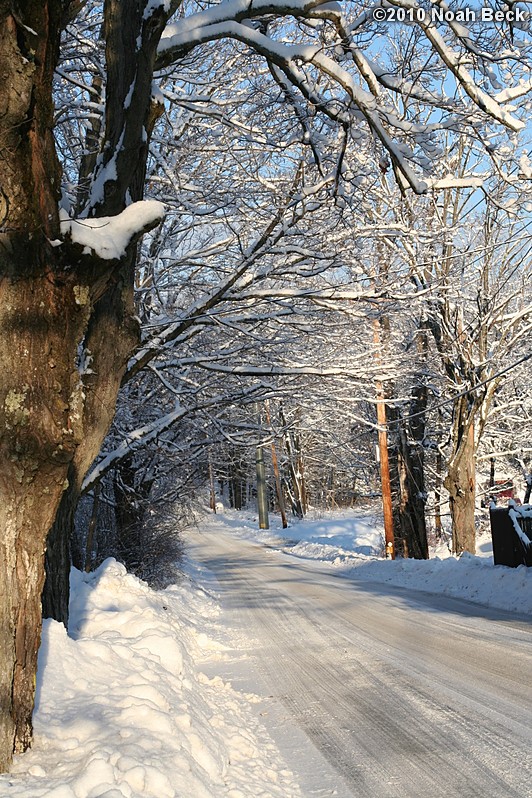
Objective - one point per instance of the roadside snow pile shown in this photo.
(338, 536)
(468, 577)
(123, 710)
(324, 536)
(352, 543)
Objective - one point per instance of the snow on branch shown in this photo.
(449, 181)
(108, 237)
(132, 441)
(277, 371)
(154, 5)
(232, 19)
(273, 232)
(285, 57)
(454, 62)
(177, 34)
(141, 436)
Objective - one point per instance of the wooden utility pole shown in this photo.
(383, 452)
(385, 475)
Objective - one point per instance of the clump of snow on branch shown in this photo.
(449, 181)
(109, 236)
(154, 5)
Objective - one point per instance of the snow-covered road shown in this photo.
(405, 694)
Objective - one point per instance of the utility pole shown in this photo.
(383, 452)
(386, 489)
(262, 490)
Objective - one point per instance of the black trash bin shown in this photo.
(510, 546)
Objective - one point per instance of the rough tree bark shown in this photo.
(54, 299)
(41, 322)
(112, 330)
(460, 479)
(468, 407)
(411, 461)
(111, 334)
(412, 476)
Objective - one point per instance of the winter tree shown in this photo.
(68, 265)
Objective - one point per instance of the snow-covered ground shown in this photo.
(124, 707)
(352, 542)
(124, 710)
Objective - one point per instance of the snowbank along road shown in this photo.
(405, 694)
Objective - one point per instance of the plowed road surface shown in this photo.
(398, 694)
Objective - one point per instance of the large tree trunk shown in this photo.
(111, 335)
(460, 482)
(53, 301)
(112, 332)
(56, 593)
(412, 497)
(41, 324)
(411, 464)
